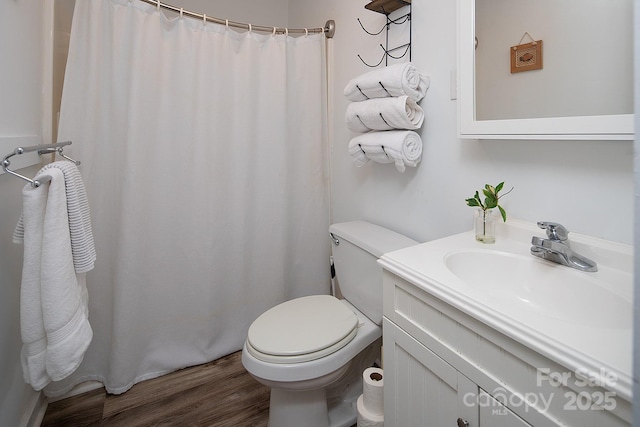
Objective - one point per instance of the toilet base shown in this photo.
(310, 409)
(298, 408)
(332, 406)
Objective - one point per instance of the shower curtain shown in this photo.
(204, 153)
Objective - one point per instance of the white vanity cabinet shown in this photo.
(444, 368)
(421, 389)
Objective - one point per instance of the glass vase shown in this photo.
(485, 226)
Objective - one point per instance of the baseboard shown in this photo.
(37, 407)
(78, 389)
(34, 413)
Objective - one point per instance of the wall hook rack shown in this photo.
(369, 32)
(387, 54)
(386, 7)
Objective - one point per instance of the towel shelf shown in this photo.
(41, 149)
(386, 7)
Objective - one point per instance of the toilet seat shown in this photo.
(301, 330)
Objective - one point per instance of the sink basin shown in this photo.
(541, 287)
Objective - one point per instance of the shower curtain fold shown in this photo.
(205, 159)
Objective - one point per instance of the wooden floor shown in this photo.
(217, 394)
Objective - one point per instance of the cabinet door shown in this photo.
(495, 414)
(421, 389)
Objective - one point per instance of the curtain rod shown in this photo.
(329, 27)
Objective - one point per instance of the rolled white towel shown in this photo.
(393, 80)
(402, 147)
(384, 114)
(358, 156)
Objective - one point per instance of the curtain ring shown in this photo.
(249, 27)
(181, 12)
(274, 31)
(306, 32)
(226, 23)
(286, 32)
(158, 5)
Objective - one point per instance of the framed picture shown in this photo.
(526, 57)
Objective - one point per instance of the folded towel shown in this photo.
(53, 299)
(402, 147)
(393, 80)
(384, 114)
(82, 244)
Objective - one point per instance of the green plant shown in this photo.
(491, 199)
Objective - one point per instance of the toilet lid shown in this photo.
(302, 329)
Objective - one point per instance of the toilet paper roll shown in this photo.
(372, 390)
(366, 418)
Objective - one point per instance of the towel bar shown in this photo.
(41, 149)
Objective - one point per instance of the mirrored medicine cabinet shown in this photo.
(583, 89)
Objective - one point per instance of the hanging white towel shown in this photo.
(82, 244)
(401, 147)
(384, 114)
(53, 301)
(393, 80)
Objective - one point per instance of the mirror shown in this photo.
(584, 89)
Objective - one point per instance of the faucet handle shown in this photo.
(555, 231)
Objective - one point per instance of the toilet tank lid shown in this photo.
(372, 238)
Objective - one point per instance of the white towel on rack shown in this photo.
(384, 114)
(393, 80)
(53, 299)
(82, 244)
(401, 147)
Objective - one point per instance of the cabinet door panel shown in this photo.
(495, 414)
(420, 388)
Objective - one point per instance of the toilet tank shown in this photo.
(358, 274)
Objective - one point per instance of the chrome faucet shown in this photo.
(556, 248)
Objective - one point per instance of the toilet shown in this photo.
(311, 351)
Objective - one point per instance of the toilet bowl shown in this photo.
(298, 389)
(311, 351)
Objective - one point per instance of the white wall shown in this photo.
(636, 278)
(587, 186)
(20, 115)
(266, 12)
